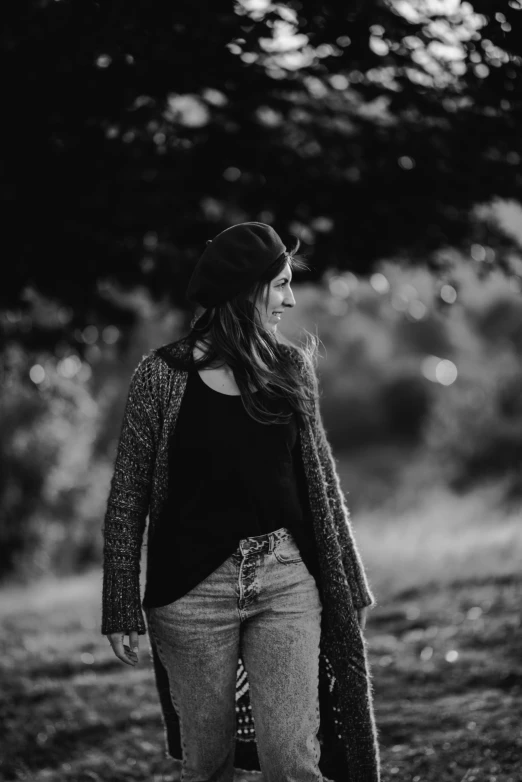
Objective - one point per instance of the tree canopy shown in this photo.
(136, 131)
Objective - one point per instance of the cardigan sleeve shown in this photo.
(127, 509)
(352, 561)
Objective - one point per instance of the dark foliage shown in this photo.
(134, 132)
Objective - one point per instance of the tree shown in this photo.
(137, 131)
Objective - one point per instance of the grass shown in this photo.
(438, 538)
(444, 641)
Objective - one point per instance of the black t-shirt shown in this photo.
(230, 477)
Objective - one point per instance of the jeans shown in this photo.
(261, 602)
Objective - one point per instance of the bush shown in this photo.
(474, 432)
(47, 431)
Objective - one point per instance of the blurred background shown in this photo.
(387, 136)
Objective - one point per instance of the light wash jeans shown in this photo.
(263, 602)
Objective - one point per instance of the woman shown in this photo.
(255, 595)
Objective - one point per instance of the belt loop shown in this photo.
(271, 543)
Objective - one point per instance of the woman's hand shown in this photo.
(127, 654)
(362, 615)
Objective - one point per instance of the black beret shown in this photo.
(232, 262)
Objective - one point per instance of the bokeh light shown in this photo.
(439, 370)
(103, 61)
(110, 335)
(69, 367)
(448, 294)
(90, 335)
(379, 283)
(37, 373)
(231, 174)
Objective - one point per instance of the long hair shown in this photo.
(233, 335)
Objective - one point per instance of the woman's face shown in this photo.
(280, 297)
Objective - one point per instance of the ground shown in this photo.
(446, 664)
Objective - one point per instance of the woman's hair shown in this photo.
(233, 335)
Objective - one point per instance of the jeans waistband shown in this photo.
(266, 542)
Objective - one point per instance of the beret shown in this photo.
(232, 262)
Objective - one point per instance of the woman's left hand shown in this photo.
(362, 614)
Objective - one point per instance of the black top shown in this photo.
(231, 477)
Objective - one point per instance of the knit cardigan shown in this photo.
(139, 487)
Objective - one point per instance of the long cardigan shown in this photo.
(139, 487)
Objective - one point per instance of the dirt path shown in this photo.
(447, 678)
